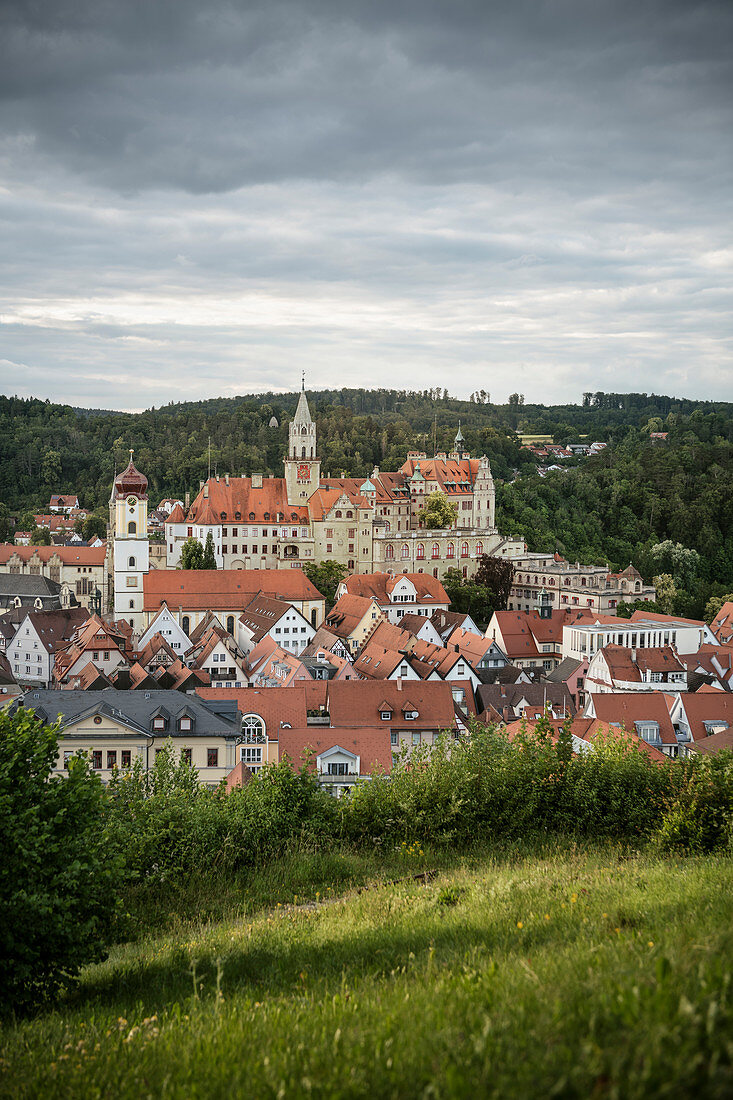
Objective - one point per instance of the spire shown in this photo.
(302, 413)
(459, 436)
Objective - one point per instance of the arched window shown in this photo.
(436, 550)
(223, 515)
(389, 551)
(388, 526)
(349, 515)
(230, 624)
(479, 549)
(302, 452)
(338, 515)
(132, 527)
(251, 516)
(404, 550)
(253, 729)
(435, 572)
(303, 430)
(130, 563)
(132, 605)
(185, 624)
(464, 549)
(450, 550)
(420, 551)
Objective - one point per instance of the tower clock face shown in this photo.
(131, 501)
(304, 471)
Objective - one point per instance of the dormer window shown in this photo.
(385, 715)
(223, 515)
(185, 723)
(159, 723)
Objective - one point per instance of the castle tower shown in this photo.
(130, 547)
(302, 466)
(484, 497)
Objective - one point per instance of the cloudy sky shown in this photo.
(204, 198)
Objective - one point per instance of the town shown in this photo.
(242, 662)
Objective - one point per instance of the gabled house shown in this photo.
(616, 668)
(93, 640)
(586, 733)
(265, 615)
(422, 627)
(572, 673)
(32, 652)
(481, 652)
(166, 624)
(220, 657)
(530, 639)
(701, 715)
(447, 621)
(323, 639)
(508, 702)
(644, 713)
(272, 666)
(398, 594)
(353, 618)
(722, 624)
(158, 653)
(712, 664)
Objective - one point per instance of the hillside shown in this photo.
(576, 974)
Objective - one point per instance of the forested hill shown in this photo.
(612, 507)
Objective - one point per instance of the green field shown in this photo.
(585, 973)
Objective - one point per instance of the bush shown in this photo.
(700, 818)
(58, 881)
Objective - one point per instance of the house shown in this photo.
(220, 657)
(95, 641)
(446, 621)
(481, 652)
(34, 593)
(353, 618)
(586, 733)
(338, 757)
(713, 744)
(422, 627)
(114, 728)
(65, 503)
(32, 652)
(263, 713)
(190, 593)
(157, 653)
(702, 714)
(616, 668)
(167, 626)
(393, 653)
(530, 639)
(283, 622)
(722, 624)
(322, 664)
(573, 674)
(323, 639)
(398, 594)
(415, 713)
(272, 666)
(712, 664)
(584, 636)
(645, 713)
(82, 569)
(507, 702)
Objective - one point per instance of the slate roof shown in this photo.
(137, 707)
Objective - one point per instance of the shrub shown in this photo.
(58, 881)
(700, 818)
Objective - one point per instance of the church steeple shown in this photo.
(302, 466)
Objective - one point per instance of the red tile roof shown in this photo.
(722, 624)
(67, 555)
(354, 703)
(702, 707)
(239, 502)
(176, 515)
(223, 589)
(379, 585)
(347, 614)
(275, 706)
(589, 729)
(370, 744)
(625, 708)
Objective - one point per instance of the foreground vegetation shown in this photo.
(575, 972)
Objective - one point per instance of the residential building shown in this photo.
(586, 734)
(352, 619)
(506, 702)
(530, 639)
(722, 624)
(32, 652)
(114, 728)
(712, 664)
(573, 674)
(165, 623)
(34, 594)
(644, 713)
(272, 666)
(283, 622)
(91, 641)
(701, 715)
(398, 594)
(66, 503)
(80, 568)
(616, 668)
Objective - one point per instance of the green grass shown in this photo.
(585, 973)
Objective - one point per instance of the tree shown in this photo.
(209, 559)
(4, 523)
(678, 560)
(40, 536)
(192, 554)
(467, 597)
(437, 512)
(666, 592)
(26, 522)
(94, 527)
(51, 467)
(496, 574)
(58, 877)
(714, 604)
(326, 576)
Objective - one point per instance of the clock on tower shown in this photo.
(304, 471)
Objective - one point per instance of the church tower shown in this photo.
(302, 466)
(130, 547)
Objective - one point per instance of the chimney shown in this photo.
(256, 481)
(206, 491)
(187, 501)
(201, 485)
(226, 479)
(399, 684)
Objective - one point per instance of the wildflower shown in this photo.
(605, 914)
(547, 916)
(573, 899)
(651, 943)
(520, 924)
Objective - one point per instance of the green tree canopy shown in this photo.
(58, 877)
(192, 554)
(437, 512)
(26, 522)
(209, 558)
(326, 576)
(40, 536)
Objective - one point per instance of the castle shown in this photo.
(368, 525)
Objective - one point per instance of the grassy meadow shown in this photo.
(573, 971)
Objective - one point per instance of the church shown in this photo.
(367, 524)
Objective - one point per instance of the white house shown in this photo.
(642, 631)
(167, 625)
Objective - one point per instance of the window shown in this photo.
(404, 551)
(436, 550)
(389, 551)
(126, 758)
(111, 759)
(479, 549)
(420, 551)
(185, 724)
(212, 758)
(250, 755)
(416, 738)
(450, 551)
(159, 722)
(186, 756)
(338, 768)
(394, 739)
(253, 729)
(67, 757)
(385, 715)
(97, 759)
(230, 624)
(132, 527)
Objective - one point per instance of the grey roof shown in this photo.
(136, 708)
(501, 696)
(29, 588)
(566, 668)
